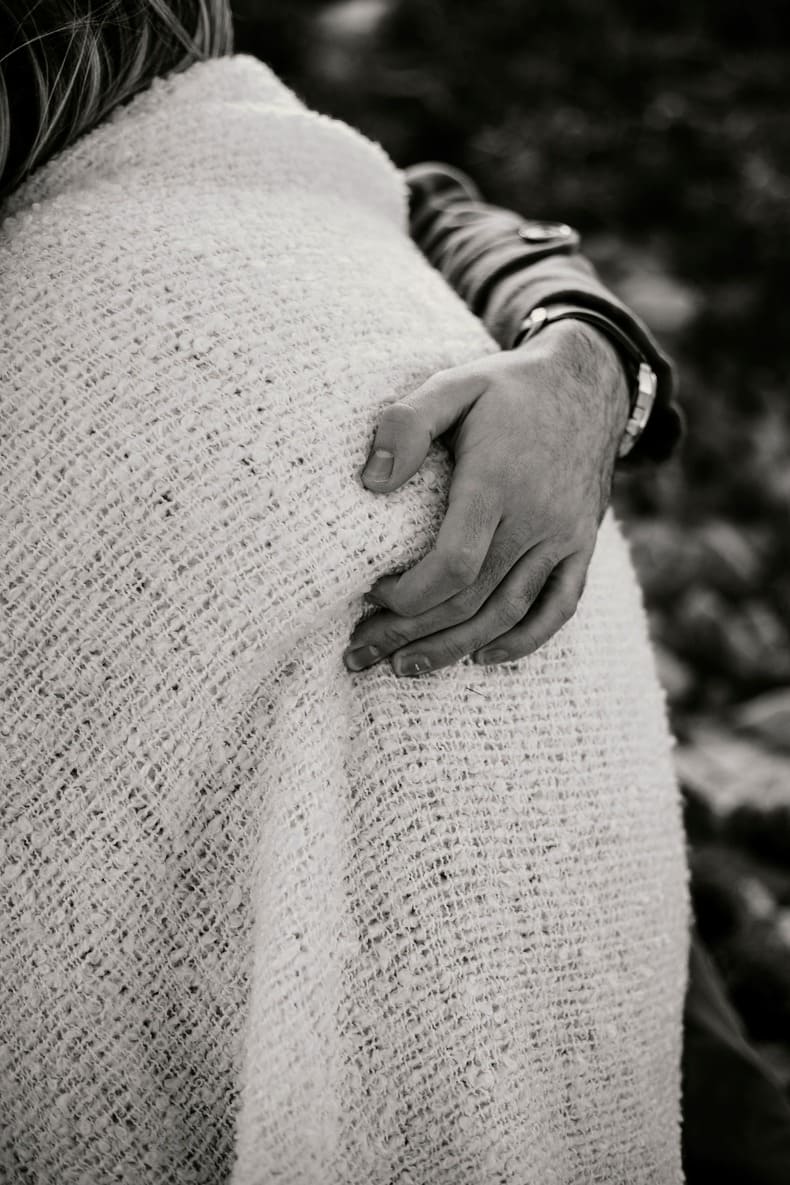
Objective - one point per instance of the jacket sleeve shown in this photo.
(504, 266)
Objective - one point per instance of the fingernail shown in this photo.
(484, 657)
(411, 664)
(379, 466)
(359, 657)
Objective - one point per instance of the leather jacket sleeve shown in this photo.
(504, 266)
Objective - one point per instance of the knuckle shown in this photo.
(390, 637)
(544, 568)
(430, 390)
(467, 603)
(511, 609)
(462, 565)
(405, 604)
(539, 573)
(439, 379)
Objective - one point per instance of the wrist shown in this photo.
(613, 368)
(643, 382)
(594, 355)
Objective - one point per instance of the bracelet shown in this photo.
(644, 380)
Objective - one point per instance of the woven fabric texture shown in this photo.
(263, 920)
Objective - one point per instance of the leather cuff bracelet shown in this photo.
(642, 376)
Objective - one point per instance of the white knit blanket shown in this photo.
(263, 920)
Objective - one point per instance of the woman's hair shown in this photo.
(66, 64)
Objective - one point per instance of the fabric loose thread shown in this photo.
(263, 920)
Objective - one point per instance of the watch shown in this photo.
(644, 382)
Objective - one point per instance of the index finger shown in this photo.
(454, 563)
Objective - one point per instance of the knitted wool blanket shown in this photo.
(261, 919)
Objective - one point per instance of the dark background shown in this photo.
(662, 132)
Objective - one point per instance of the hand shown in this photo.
(534, 434)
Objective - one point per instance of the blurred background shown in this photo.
(662, 132)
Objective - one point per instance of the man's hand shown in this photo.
(534, 434)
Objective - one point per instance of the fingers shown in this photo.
(389, 631)
(555, 606)
(465, 537)
(424, 643)
(407, 428)
(537, 598)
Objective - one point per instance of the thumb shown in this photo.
(407, 428)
